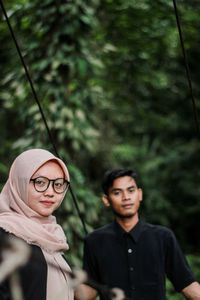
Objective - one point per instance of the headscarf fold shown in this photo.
(17, 217)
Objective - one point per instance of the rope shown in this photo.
(40, 108)
(195, 111)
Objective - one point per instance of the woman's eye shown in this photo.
(58, 185)
(40, 182)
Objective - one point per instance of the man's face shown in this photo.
(124, 197)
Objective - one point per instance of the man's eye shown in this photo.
(116, 193)
(131, 191)
(58, 184)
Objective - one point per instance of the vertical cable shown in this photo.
(195, 111)
(40, 108)
(29, 78)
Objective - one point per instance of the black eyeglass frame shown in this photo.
(49, 180)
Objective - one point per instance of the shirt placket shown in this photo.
(130, 248)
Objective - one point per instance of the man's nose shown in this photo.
(125, 195)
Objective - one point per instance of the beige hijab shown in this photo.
(18, 218)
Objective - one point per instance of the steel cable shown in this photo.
(40, 108)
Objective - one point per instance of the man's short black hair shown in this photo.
(113, 174)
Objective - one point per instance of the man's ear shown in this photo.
(105, 200)
(140, 194)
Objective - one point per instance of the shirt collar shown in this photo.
(134, 233)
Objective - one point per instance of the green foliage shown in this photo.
(54, 39)
(194, 262)
(149, 107)
(111, 81)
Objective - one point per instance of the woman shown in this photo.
(35, 188)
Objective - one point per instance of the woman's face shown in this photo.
(44, 203)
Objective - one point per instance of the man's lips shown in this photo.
(127, 205)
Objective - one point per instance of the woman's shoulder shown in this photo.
(3, 237)
(3, 232)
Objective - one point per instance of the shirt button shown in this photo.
(130, 250)
(131, 269)
(132, 288)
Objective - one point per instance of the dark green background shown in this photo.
(111, 80)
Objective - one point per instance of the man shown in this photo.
(133, 255)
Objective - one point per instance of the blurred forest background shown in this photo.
(111, 80)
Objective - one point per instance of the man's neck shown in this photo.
(127, 223)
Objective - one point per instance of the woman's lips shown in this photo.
(47, 203)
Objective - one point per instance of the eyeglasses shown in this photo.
(42, 183)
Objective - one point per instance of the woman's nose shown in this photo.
(50, 189)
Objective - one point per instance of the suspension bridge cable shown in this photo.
(28, 77)
(195, 111)
(40, 107)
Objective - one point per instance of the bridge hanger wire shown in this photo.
(95, 285)
(40, 108)
(195, 111)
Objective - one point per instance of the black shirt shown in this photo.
(136, 262)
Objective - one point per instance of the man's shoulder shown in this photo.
(101, 232)
(157, 229)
